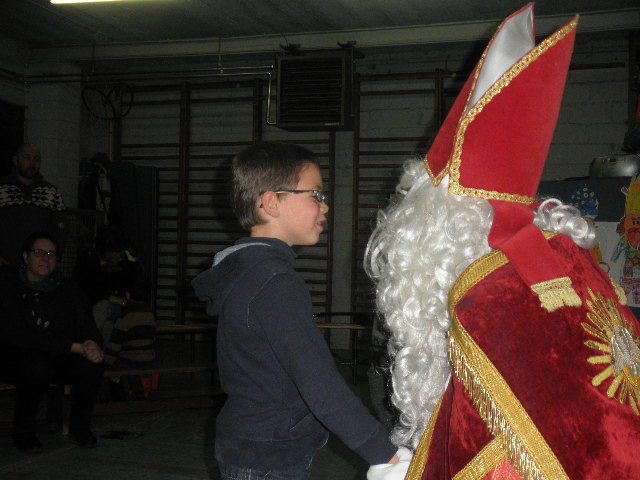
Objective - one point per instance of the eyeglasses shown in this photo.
(44, 253)
(318, 195)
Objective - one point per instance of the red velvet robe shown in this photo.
(525, 395)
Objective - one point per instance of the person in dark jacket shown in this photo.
(284, 390)
(47, 335)
(106, 272)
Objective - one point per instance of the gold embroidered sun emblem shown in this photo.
(619, 343)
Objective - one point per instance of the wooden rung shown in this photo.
(151, 370)
(185, 329)
(341, 326)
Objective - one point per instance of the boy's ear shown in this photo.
(270, 205)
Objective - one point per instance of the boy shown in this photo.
(283, 388)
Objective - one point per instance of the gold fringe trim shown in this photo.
(435, 179)
(556, 293)
(489, 458)
(504, 415)
(421, 455)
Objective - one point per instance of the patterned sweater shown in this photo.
(25, 209)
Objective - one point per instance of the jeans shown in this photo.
(300, 471)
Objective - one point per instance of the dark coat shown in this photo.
(48, 321)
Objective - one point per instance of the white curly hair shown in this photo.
(422, 243)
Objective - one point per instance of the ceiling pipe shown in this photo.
(264, 70)
(601, 21)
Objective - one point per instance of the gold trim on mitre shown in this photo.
(453, 167)
(504, 415)
(435, 179)
(490, 457)
(421, 455)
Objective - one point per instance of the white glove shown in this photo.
(390, 471)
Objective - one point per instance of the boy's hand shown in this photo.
(396, 469)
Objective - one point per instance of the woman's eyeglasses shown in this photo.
(43, 253)
(318, 195)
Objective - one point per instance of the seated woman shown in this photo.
(47, 334)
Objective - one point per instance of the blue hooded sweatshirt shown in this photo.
(284, 390)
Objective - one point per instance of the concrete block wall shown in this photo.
(14, 57)
(592, 122)
(54, 124)
(593, 117)
(55, 119)
(94, 137)
(12, 92)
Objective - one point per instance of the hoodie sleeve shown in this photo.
(282, 310)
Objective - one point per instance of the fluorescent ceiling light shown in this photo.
(60, 2)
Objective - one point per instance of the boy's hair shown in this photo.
(264, 167)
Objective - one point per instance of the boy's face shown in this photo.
(302, 216)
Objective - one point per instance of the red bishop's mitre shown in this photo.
(495, 141)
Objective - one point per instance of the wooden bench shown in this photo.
(116, 372)
(192, 329)
(352, 328)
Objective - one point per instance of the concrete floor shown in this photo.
(172, 442)
(170, 445)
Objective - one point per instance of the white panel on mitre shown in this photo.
(513, 40)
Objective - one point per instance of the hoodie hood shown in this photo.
(231, 264)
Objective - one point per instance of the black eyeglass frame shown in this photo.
(38, 252)
(319, 195)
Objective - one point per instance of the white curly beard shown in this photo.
(422, 243)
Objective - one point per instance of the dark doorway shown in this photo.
(11, 133)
